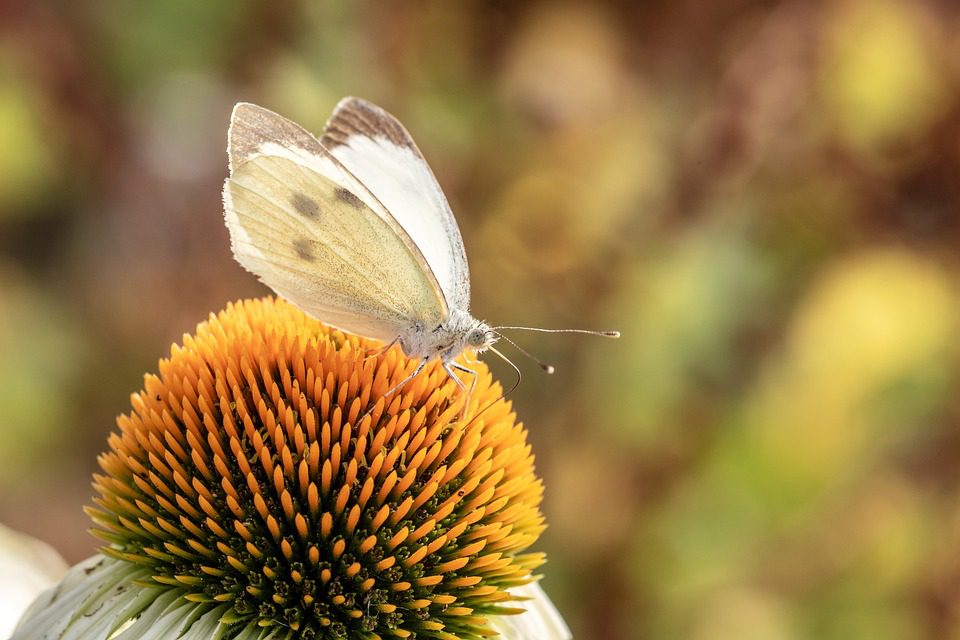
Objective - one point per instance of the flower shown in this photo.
(264, 486)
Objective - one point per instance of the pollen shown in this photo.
(265, 471)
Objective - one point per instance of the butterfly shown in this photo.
(353, 228)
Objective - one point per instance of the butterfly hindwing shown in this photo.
(377, 149)
(318, 244)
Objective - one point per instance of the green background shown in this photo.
(764, 197)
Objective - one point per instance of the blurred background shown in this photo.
(764, 197)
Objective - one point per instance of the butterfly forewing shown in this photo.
(377, 149)
(253, 129)
(322, 247)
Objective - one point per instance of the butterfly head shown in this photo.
(480, 337)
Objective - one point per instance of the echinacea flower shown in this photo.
(265, 487)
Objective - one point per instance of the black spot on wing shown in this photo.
(304, 249)
(305, 205)
(345, 195)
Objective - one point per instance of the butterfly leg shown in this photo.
(390, 391)
(381, 350)
(451, 368)
(410, 377)
(453, 376)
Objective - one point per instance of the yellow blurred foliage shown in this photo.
(881, 78)
(873, 320)
(27, 165)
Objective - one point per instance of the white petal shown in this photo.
(27, 567)
(99, 600)
(97, 585)
(540, 621)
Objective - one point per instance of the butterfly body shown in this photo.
(460, 331)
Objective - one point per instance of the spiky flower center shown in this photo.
(252, 474)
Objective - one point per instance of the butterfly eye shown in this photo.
(477, 338)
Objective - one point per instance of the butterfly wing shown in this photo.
(310, 231)
(377, 149)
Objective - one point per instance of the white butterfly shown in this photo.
(353, 229)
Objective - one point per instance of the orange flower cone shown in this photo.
(264, 486)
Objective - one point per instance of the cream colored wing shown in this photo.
(321, 246)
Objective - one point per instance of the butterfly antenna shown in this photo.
(547, 368)
(602, 334)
